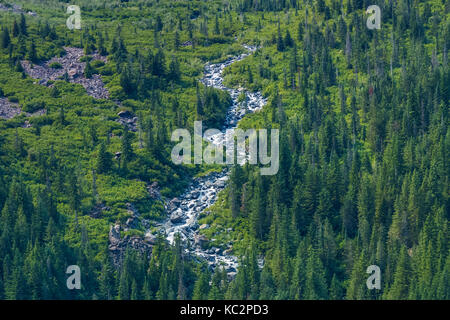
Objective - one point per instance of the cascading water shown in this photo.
(202, 192)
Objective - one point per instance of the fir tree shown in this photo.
(6, 40)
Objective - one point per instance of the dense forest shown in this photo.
(364, 142)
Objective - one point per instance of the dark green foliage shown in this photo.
(88, 70)
(364, 142)
(104, 159)
(5, 38)
(31, 52)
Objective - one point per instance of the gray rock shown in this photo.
(204, 226)
(176, 217)
(132, 223)
(231, 269)
(114, 234)
(8, 110)
(125, 114)
(153, 191)
(173, 204)
(195, 194)
(74, 68)
(200, 239)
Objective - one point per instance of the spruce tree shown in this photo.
(6, 40)
(104, 159)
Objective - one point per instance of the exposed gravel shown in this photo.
(14, 8)
(71, 64)
(8, 110)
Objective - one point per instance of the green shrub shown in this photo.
(85, 59)
(133, 232)
(97, 63)
(41, 121)
(106, 70)
(117, 93)
(55, 65)
(33, 106)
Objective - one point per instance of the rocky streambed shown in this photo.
(185, 210)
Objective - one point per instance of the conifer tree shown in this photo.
(23, 25)
(31, 53)
(104, 159)
(6, 40)
(126, 148)
(15, 29)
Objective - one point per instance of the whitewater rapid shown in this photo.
(184, 211)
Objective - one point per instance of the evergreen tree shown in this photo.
(23, 25)
(280, 40)
(15, 29)
(6, 40)
(88, 70)
(104, 159)
(126, 148)
(31, 53)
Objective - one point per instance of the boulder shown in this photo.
(192, 222)
(114, 234)
(150, 238)
(132, 223)
(153, 191)
(195, 194)
(173, 204)
(176, 217)
(231, 269)
(200, 239)
(72, 72)
(220, 183)
(125, 114)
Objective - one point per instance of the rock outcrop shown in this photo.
(8, 110)
(98, 209)
(200, 240)
(118, 245)
(126, 118)
(153, 191)
(69, 63)
(15, 8)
